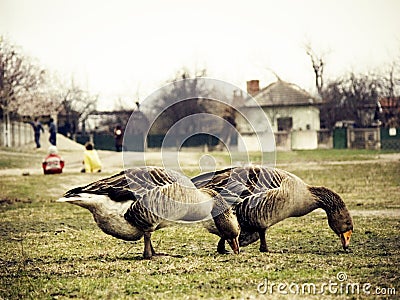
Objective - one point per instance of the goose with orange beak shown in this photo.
(263, 196)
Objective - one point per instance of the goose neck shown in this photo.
(326, 199)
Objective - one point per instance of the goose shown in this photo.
(140, 200)
(263, 196)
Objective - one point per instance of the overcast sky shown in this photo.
(120, 48)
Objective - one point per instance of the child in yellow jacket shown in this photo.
(91, 160)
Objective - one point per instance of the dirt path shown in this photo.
(313, 165)
(112, 161)
(382, 213)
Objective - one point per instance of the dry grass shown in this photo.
(55, 251)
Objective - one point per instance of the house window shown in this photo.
(285, 124)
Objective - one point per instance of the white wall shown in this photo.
(304, 140)
(301, 116)
(257, 125)
(262, 141)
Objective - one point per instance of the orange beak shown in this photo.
(234, 243)
(345, 239)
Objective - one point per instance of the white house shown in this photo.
(293, 115)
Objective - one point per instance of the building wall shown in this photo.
(304, 139)
(257, 120)
(301, 115)
(264, 142)
(303, 135)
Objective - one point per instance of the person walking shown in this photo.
(37, 128)
(53, 132)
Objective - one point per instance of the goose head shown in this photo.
(226, 221)
(339, 218)
(341, 223)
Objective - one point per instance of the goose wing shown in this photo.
(237, 183)
(131, 184)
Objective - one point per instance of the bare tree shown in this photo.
(22, 85)
(169, 110)
(318, 65)
(188, 95)
(351, 97)
(76, 101)
(389, 100)
(20, 79)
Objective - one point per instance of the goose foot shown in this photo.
(147, 255)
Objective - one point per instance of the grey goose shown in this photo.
(140, 200)
(263, 196)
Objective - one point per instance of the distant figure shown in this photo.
(53, 163)
(53, 132)
(37, 127)
(91, 160)
(118, 136)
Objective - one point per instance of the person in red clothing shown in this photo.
(53, 163)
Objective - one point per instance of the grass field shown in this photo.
(55, 251)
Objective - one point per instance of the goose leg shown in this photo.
(153, 252)
(263, 241)
(148, 247)
(221, 247)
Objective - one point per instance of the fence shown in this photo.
(105, 141)
(357, 138)
(364, 138)
(102, 141)
(15, 134)
(390, 138)
(325, 139)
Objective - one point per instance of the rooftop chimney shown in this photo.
(253, 87)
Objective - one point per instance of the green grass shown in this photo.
(18, 159)
(54, 250)
(69, 257)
